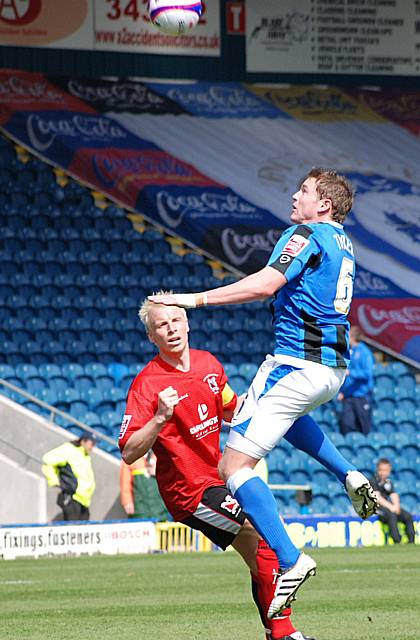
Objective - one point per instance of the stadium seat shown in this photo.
(248, 370)
(238, 384)
(6, 371)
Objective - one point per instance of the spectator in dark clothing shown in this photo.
(356, 392)
(390, 510)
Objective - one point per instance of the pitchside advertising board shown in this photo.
(102, 25)
(77, 539)
(379, 37)
(114, 538)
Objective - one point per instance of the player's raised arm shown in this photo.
(256, 286)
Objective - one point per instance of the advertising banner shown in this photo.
(218, 164)
(77, 539)
(112, 538)
(96, 25)
(334, 36)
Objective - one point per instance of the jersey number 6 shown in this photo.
(344, 291)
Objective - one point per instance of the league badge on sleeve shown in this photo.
(295, 245)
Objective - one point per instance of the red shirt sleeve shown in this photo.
(139, 410)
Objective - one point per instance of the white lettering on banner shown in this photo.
(110, 539)
(366, 281)
(239, 247)
(295, 245)
(131, 95)
(374, 321)
(172, 209)
(42, 132)
(216, 99)
(15, 88)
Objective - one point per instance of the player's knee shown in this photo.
(222, 469)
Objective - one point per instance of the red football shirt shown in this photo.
(187, 449)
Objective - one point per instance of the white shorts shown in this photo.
(283, 389)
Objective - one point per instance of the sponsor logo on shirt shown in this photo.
(203, 411)
(124, 425)
(211, 380)
(207, 425)
(295, 245)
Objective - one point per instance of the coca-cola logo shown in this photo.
(374, 320)
(366, 281)
(43, 131)
(217, 99)
(239, 247)
(15, 88)
(173, 208)
(140, 168)
(20, 12)
(121, 95)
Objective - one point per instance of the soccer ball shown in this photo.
(174, 18)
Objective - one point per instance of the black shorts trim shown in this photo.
(219, 516)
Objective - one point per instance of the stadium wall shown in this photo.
(24, 438)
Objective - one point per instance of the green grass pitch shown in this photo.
(358, 594)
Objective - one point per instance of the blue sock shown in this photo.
(305, 434)
(260, 506)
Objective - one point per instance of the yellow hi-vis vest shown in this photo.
(81, 465)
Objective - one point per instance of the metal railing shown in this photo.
(53, 412)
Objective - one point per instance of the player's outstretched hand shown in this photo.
(184, 300)
(167, 401)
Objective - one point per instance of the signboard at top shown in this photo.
(102, 25)
(377, 37)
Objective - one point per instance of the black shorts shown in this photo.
(219, 516)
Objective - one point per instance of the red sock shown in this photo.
(263, 592)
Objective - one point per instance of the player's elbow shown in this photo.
(128, 456)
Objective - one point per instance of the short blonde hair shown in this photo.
(146, 306)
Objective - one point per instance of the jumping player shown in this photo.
(175, 406)
(311, 273)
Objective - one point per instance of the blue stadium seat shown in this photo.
(49, 395)
(320, 504)
(78, 409)
(321, 476)
(58, 383)
(248, 370)
(35, 385)
(112, 419)
(410, 502)
(117, 371)
(72, 370)
(6, 370)
(356, 439)
(95, 369)
(238, 384)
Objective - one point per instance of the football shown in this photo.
(174, 18)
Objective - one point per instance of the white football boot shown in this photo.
(288, 582)
(361, 494)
